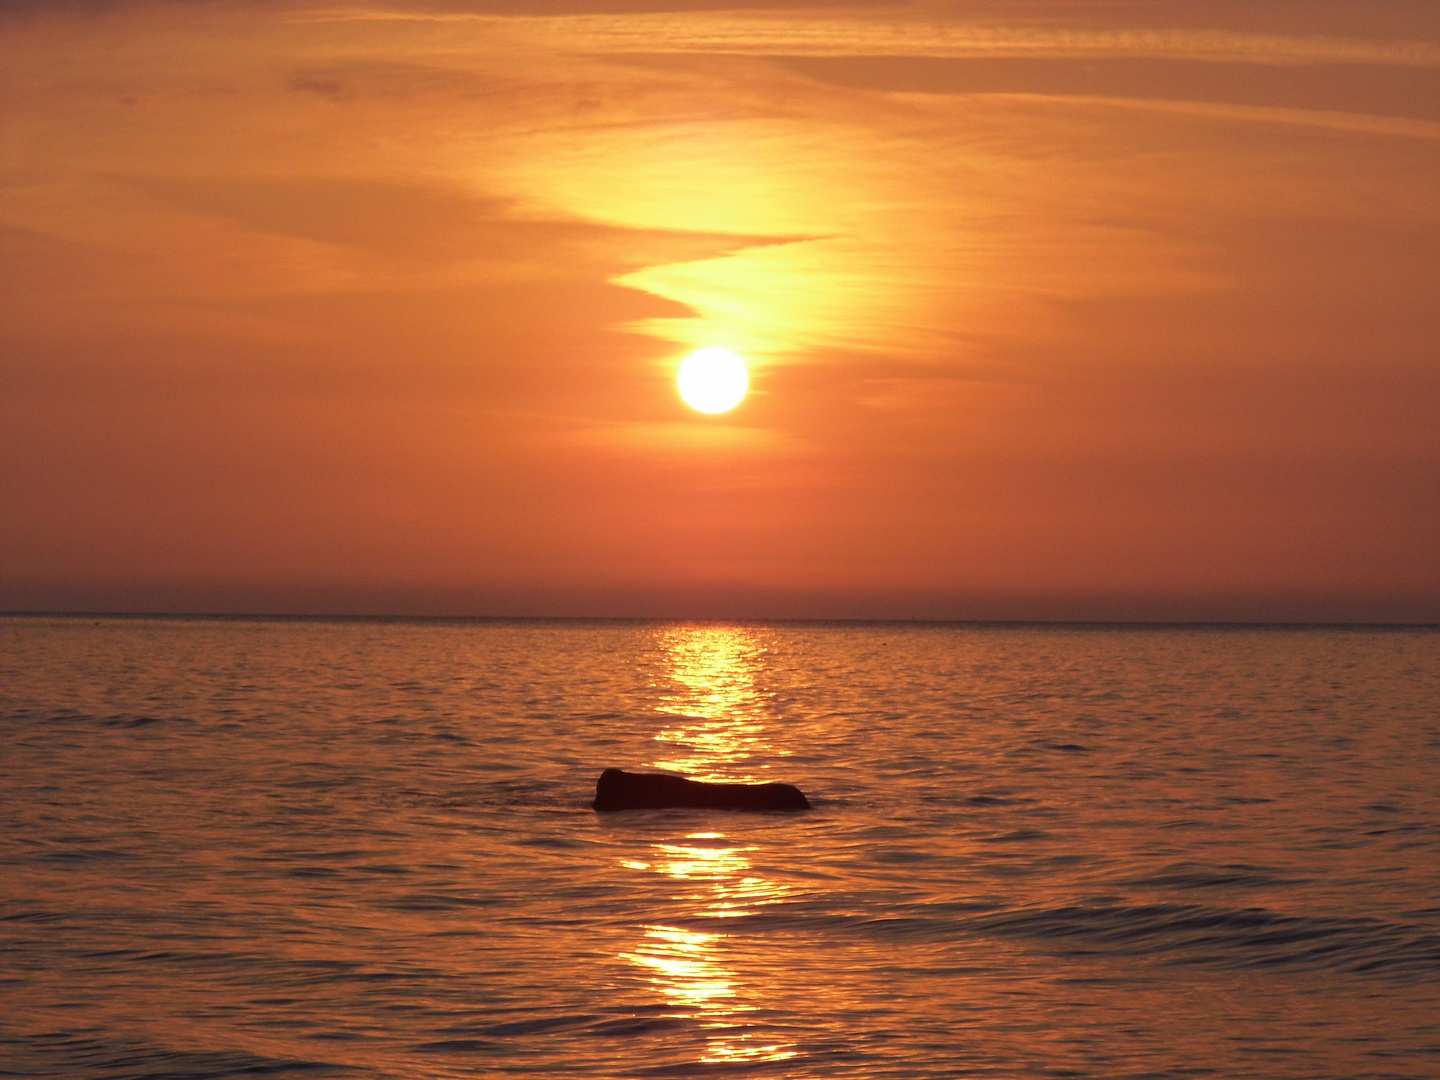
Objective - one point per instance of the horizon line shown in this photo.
(193, 616)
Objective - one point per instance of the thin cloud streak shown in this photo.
(792, 35)
(1356, 123)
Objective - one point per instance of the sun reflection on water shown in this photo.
(714, 729)
(684, 965)
(714, 709)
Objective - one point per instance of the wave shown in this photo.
(1181, 934)
(1189, 875)
(67, 1055)
(1232, 938)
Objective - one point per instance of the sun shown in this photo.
(713, 380)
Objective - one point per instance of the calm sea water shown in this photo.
(364, 849)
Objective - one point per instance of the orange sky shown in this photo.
(1066, 310)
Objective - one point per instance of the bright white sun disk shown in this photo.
(713, 380)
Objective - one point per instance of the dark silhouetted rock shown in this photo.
(620, 790)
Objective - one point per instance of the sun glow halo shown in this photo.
(713, 380)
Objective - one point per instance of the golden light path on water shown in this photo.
(714, 711)
(715, 723)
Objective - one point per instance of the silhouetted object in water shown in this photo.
(620, 790)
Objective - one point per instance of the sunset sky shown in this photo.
(1051, 310)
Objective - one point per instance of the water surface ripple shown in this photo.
(365, 849)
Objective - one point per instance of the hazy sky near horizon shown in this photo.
(1052, 309)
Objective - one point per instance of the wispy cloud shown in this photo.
(1356, 123)
(784, 34)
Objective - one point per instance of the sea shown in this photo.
(365, 848)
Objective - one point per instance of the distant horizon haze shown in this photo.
(715, 605)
